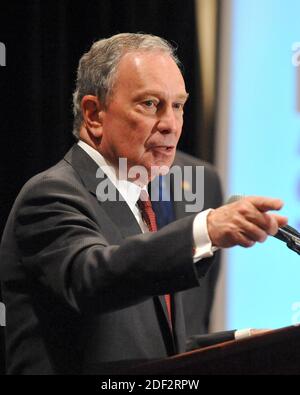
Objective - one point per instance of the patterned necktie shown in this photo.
(149, 218)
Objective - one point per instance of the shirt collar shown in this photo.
(129, 190)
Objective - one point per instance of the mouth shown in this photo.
(164, 149)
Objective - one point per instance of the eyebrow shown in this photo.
(181, 96)
(185, 96)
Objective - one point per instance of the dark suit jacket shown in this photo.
(82, 286)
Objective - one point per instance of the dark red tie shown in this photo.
(149, 218)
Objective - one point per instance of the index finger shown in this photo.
(265, 203)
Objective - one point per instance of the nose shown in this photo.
(168, 122)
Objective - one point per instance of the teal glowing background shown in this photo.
(264, 157)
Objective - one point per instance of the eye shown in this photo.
(150, 103)
(178, 106)
(150, 106)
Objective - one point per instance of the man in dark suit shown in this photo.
(89, 283)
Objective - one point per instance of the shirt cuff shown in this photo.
(242, 333)
(203, 246)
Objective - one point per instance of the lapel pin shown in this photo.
(186, 186)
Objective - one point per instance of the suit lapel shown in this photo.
(118, 211)
(122, 217)
(163, 305)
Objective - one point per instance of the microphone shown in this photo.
(290, 236)
(286, 233)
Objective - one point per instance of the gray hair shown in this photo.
(97, 68)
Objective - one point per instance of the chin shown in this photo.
(165, 163)
(159, 168)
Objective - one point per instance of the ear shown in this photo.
(92, 115)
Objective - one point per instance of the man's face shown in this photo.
(144, 115)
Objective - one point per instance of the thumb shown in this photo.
(281, 220)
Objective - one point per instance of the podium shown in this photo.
(275, 352)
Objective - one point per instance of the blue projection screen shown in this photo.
(264, 156)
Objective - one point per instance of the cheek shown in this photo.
(129, 130)
(180, 125)
(132, 142)
(139, 131)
